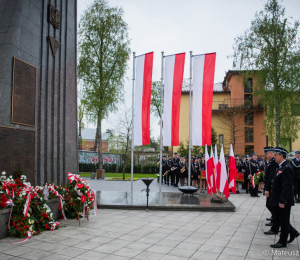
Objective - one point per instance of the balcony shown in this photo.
(235, 103)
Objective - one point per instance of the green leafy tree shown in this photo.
(270, 51)
(103, 47)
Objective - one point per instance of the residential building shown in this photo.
(88, 140)
(237, 116)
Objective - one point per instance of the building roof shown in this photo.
(90, 133)
(218, 88)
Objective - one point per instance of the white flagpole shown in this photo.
(189, 178)
(161, 104)
(132, 145)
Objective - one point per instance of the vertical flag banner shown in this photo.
(144, 65)
(174, 68)
(233, 171)
(203, 85)
(212, 178)
(223, 175)
(209, 171)
(217, 168)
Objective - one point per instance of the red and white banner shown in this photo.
(233, 171)
(174, 68)
(203, 85)
(213, 176)
(217, 168)
(209, 171)
(144, 66)
(253, 182)
(223, 175)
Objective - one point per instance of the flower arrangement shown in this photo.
(79, 198)
(258, 178)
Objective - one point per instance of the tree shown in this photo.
(270, 51)
(103, 47)
(120, 140)
(80, 123)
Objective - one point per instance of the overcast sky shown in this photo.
(176, 26)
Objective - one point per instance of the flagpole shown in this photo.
(161, 104)
(189, 178)
(132, 145)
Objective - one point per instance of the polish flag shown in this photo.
(203, 85)
(217, 168)
(174, 68)
(213, 176)
(223, 175)
(253, 182)
(233, 171)
(144, 65)
(209, 170)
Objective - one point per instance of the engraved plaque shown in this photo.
(23, 93)
(54, 16)
(17, 149)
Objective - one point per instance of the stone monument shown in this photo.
(38, 89)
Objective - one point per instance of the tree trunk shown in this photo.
(100, 144)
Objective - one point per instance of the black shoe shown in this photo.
(269, 219)
(247, 192)
(292, 237)
(269, 224)
(270, 232)
(278, 245)
(237, 192)
(175, 185)
(256, 196)
(297, 201)
(252, 196)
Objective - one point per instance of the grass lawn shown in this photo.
(127, 175)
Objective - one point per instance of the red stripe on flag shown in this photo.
(177, 88)
(148, 65)
(208, 86)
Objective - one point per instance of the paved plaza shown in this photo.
(174, 235)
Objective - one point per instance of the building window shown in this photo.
(249, 149)
(249, 118)
(222, 106)
(220, 139)
(248, 134)
(295, 109)
(248, 100)
(248, 86)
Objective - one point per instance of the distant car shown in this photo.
(290, 156)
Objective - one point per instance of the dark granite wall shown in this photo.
(24, 31)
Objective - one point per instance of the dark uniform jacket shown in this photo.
(175, 163)
(270, 172)
(168, 165)
(282, 190)
(202, 165)
(252, 167)
(295, 163)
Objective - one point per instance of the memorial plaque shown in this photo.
(23, 93)
(17, 149)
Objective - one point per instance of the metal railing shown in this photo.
(235, 102)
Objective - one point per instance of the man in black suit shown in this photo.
(252, 169)
(270, 172)
(243, 168)
(168, 167)
(282, 199)
(296, 166)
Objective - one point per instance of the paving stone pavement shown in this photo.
(166, 235)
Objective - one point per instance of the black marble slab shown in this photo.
(163, 201)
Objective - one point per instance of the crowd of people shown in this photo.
(280, 184)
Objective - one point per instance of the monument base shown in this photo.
(164, 201)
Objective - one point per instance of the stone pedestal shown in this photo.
(4, 217)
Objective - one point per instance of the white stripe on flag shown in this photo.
(168, 98)
(197, 96)
(138, 131)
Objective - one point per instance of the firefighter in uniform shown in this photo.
(296, 166)
(252, 168)
(270, 172)
(282, 199)
(168, 167)
(176, 171)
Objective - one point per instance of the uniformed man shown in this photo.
(282, 199)
(176, 167)
(252, 169)
(270, 172)
(164, 180)
(296, 166)
(243, 168)
(168, 167)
